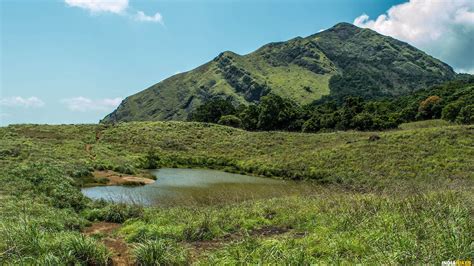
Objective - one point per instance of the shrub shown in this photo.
(312, 125)
(51, 182)
(363, 121)
(466, 115)
(102, 180)
(125, 169)
(212, 110)
(430, 108)
(159, 252)
(82, 172)
(86, 250)
(151, 160)
(200, 230)
(230, 120)
(116, 213)
(451, 111)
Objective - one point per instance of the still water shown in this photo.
(176, 186)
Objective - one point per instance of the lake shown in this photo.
(176, 186)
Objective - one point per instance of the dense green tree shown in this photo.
(249, 117)
(213, 110)
(451, 111)
(363, 121)
(430, 108)
(276, 112)
(466, 115)
(312, 125)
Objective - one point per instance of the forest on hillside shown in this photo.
(452, 101)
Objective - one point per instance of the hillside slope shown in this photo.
(384, 201)
(343, 60)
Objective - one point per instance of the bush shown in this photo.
(116, 213)
(212, 110)
(102, 180)
(82, 172)
(86, 250)
(51, 182)
(151, 160)
(451, 111)
(200, 230)
(312, 125)
(363, 121)
(230, 120)
(27, 243)
(466, 115)
(430, 108)
(125, 169)
(159, 252)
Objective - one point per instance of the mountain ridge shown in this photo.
(340, 61)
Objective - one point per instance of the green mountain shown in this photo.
(343, 60)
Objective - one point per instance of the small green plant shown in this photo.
(160, 252)
(86, 250)
(151, 160)
(230, 120)
(102, 180)
(116, 213)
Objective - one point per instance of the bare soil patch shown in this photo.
(114, 178)
(118, 247)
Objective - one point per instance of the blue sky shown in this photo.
(72, 61)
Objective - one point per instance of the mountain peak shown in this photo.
(344, 25)
(342, 61)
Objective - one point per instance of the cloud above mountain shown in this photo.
(120, 7)
(444, 29)
(83, 104)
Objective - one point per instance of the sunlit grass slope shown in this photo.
(404, 198)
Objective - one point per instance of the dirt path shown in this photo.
(121, 253)
(118, 247)
(88, 149)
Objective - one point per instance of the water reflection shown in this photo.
(198, 186)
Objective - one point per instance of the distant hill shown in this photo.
(343, 60)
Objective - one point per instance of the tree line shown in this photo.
(453, 101)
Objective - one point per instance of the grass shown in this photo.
(159, 252)
(325, 228)
(403, 199)
(425, 124)
(432, 155)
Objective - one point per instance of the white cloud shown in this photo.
(116, 7)
(113, 6)
(443, 28)
(469, 71)
(83, 104)
(18, 101)
(141, 16)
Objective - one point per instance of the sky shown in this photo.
(73, 61)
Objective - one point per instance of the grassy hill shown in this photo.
(347, 158)
(343, 60)
(404, 198)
